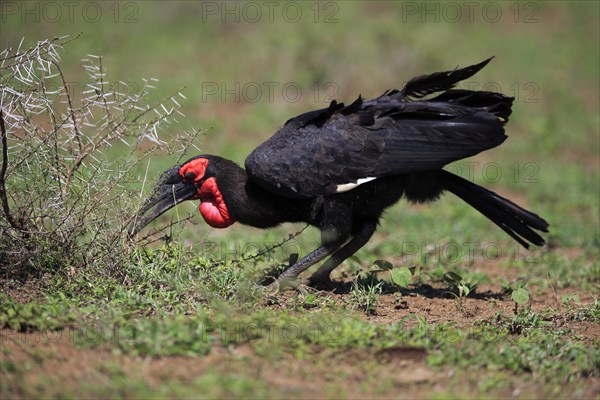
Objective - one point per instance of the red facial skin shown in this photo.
(212, 206)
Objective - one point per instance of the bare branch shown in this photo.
(3, 197)
(270, 249)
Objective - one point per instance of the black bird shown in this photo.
(340, 167)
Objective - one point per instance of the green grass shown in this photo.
(172, 308)
(194, 298)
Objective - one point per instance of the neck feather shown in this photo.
(250, 204)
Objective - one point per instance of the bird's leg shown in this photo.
(359, 240)
(315, 256)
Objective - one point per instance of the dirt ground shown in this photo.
(321, 373)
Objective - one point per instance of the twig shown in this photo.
(188, 144)
(270, 249)
(146, 238)
(553, 290)
(70, 103)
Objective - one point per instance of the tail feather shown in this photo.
(514, 220)
(496, 103)
(423, 85)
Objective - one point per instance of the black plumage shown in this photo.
(340, 167)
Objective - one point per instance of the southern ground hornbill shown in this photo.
(340, 167)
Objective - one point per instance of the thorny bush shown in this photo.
(65, 198)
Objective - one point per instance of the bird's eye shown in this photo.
(189, 176)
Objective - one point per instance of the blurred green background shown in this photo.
(247, 67)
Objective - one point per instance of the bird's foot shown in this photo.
(323, 283)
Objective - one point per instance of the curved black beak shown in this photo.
(169, 192)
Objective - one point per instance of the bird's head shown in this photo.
(193, 180)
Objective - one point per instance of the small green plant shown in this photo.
(310, 301)
(399, 276)
(569, 299)
(520, 296)
(364, 296)
(460, 285)
(35, 316)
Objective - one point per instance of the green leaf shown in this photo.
(452, 277)
(464, 289)
(383, 265)
(401, 276)
(570, 298)
(520, 296)
(310, 299)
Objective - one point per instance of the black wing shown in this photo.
(339, 147)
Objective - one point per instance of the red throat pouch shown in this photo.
(212, 207)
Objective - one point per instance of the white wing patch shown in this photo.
(349, 186)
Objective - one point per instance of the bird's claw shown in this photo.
(323, 283)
